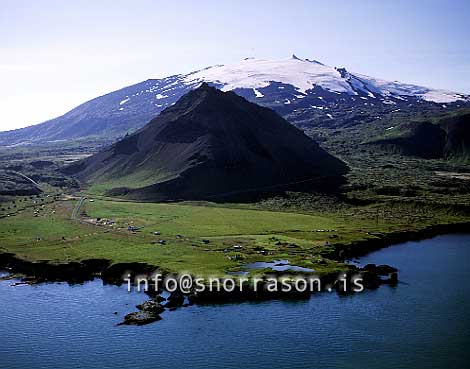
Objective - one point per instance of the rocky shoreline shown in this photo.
(79, 272)
(382, 240)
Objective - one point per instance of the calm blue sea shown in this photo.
(422, 323)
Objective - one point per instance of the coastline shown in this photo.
(86, 270)
(372, 276)
(363, 247)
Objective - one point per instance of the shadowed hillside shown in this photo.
(445, 137)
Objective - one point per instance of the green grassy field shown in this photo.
(201, 238)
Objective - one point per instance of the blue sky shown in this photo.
(55, 55)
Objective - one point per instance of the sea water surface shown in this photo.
(422, 323)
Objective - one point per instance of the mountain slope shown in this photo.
(446, 137)
(209, 145)
(307, 93)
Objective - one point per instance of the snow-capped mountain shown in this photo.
(306, 92)
(304, 75)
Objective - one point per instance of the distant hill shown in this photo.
(445, 136)
(210, 145)
(305, 92)
(457, 143)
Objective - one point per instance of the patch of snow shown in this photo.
(389, 128)
(329, 115)
(400, 90)
(160, 96)
(257, 93)
(124, 101)
(440, 96)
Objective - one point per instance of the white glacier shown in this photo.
(304, 75)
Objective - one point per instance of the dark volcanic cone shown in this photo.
(211, 145)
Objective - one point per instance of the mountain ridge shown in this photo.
(306, 92)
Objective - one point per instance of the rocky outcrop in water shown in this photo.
(149, 312)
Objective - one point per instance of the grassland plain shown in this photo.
(204, 239)
(386, 194)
